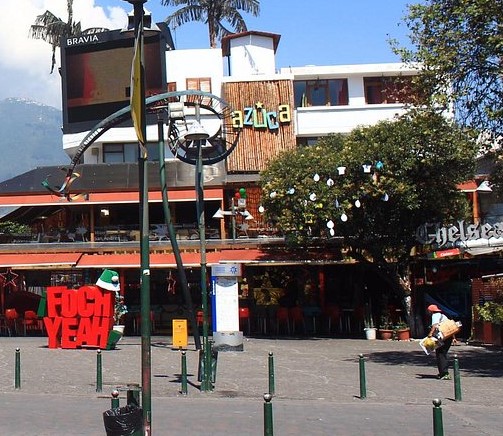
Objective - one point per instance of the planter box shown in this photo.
(483, 332)
(403, 334)
(385, 334)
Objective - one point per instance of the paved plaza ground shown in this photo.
(316, 383)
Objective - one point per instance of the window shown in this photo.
(307, 140)
(128, 153)
(386, 89)
(199, 84)
(326, 92)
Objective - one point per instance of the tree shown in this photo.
(52, 29)
(459, 44)
(414, 164)
(213, 13)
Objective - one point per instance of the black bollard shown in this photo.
(457, 380)
(268, 420)
(271, 373)
(99, 375)
(184, 373)
(438, 425)
(17, 370)
(363, 382)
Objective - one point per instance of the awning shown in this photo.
(39, 260)
(157, 260)
(109, 198)
(245, 256)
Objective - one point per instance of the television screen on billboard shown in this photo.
(96, 74)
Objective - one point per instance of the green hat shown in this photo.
(109, 280)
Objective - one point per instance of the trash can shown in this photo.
(124, 421)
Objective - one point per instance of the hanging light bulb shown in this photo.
(291, 191)
(385, 197)
(312, 197)
(261, 209)
(358, 203)
(330, 224)
(273, 194)
(332, 232)
(330, 182)
(344, 217)
(316, 177)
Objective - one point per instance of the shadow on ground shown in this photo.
(478, 362)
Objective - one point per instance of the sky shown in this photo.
(314, 32)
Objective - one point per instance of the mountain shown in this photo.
(30, 137)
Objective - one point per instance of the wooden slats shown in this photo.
(257, 146)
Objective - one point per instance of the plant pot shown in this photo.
(370, 333)
(385, 334)
(115, 336)
(403, 334)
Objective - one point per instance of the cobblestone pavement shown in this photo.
(317, 388)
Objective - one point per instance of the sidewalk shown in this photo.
(316, 384)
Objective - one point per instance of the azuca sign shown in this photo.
(462, 232)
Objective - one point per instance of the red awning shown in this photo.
(109, 198)
(167, 260)
(470, 186)
(39, 260)
(245, 256)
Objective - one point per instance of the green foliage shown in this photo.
(491, 311)
(214, 13)
(458, 43)
(13, 228)
(385, 323)
(423, 158)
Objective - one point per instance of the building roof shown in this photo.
(92, 178)
(226, 40)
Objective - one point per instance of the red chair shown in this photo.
(12, 319)
(283, 318)
(32, 322)
(333, 315)
(297, 317)
(244, 314)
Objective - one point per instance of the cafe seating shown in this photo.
(31, 322)
(244, 314)
(333, 316)
(283, 319)
(12, 320)
(297, 317)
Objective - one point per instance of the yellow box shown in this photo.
(180, 335)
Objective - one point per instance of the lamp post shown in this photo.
(144, 222)
(233, 213)
(197, 134)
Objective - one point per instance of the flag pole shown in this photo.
(138, 114)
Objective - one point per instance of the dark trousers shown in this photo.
(442, 361)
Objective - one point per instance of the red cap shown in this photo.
(433, 308)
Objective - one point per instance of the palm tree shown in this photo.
(213, 13)
(52, 29)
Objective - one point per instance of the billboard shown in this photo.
(96, 74)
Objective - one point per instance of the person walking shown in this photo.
(441, 352)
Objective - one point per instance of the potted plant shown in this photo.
(402, 331)
(370, 329)
(120, 309)
(491, 316)
(385, 328)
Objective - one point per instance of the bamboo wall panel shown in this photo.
(256, 146)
